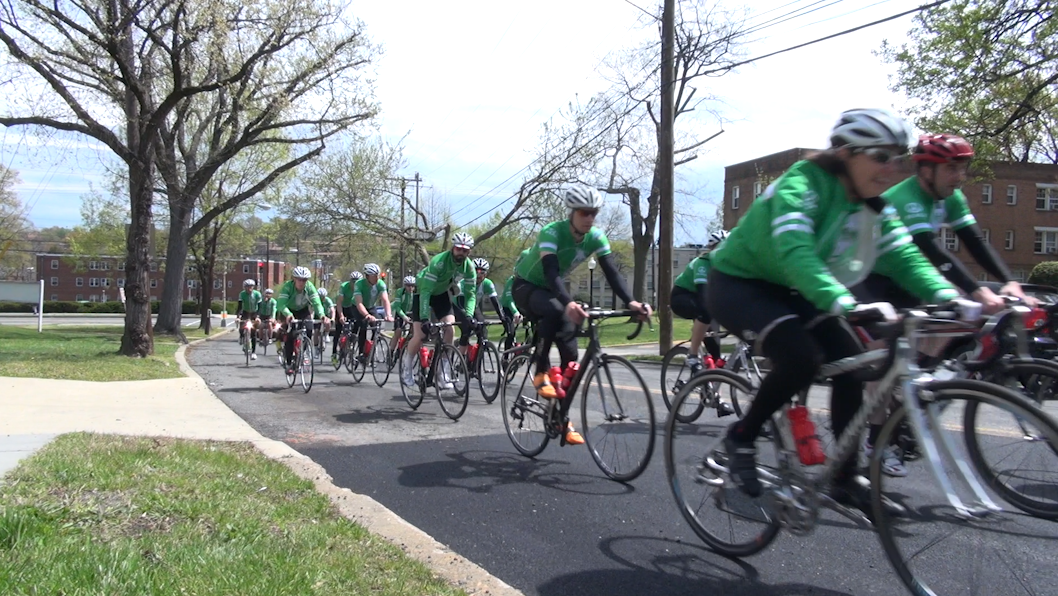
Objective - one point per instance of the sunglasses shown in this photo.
(882, 155)
(588, 212)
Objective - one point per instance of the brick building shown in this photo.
(1016, 206)
(98, 279)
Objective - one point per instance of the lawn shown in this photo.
(80, 352)
(132, 516)
(615, 331)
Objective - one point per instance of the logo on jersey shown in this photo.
(913, 208)
(810, 200)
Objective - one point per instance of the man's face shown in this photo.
(460, 254)
(481, 275)
(372, 279)
(299, 283)
(946, 177)
(584, 219)
(409, 288)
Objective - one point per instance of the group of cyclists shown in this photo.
(835, 234)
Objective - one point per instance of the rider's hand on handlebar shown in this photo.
(1013, 288)
(968, 310)
(988, 300)
(576, 313)
(644, 309)
(882, 310)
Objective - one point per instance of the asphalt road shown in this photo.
(556, 525)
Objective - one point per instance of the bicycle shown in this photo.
(375, 355)
(346, 343)
(483, 361)
(444, 361)
(793, 496)
(264, 335)
(673, 379)
(319, 341)
(627, 412)
(301, 356)
(397, 355)
(245, 334)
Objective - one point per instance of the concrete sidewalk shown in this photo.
(37, 410)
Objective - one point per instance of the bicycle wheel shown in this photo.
(246, 350)
(1030, 483)
(380, 362)
(308, 367)
(674, 373)
(415, 394)
(358, 362)
(934, 549)
(729, 521)
(617, 418)
(489, 371)
(290, 369)
(524, 414)
(451, 381)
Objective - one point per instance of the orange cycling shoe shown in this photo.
(572, 436)
(543, 385)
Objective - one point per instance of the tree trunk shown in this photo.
(170, 307)
(138, 340)
(206, 278)
(639, 271)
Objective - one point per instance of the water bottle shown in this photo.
(567, 376)
(400, 343)
(367, 347)
(473, 352)
(720, 363)
(707, 362)
(341, 341)
(555, 375)
(424, 357)
(809, 451)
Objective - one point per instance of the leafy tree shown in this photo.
(985, 69)
(1045, 274)
(14, 255)
(104, 219)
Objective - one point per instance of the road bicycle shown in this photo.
(264, 334)
(950, 539)
(483, 361)
(617, 412)
(375, 355)
(246, 332)
(675, 373)
(441, 367)
(301, 363)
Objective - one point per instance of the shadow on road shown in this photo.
(483, 471)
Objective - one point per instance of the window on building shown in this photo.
(54, 297)
(154, 298)
(79, 298)
(217, 284)
(1046, 242)
(55, 281)
(105, 282)
(1018, 275)
(758, 187)
(229, 283)
(986, 194)
(1012, 195)
(245, 268)
(1008, 243)
(121, 266)
(951, 241)
(735, 194)
(78, 282)
(154, 266)
(982, 277)
(93, 282)
(1047, 197)
(154, 283)
(93, 298)
(105, 265)
(192, 283)
(55, 263)
(987, 234)
(121, 282)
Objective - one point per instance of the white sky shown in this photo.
(472, 86)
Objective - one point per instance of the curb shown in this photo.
(372, 515)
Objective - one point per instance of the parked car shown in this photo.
(1043, 323)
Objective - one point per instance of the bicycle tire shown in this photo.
(310, 364)
(523, 412)
(288, 368)
(973, 539)
(246, 351)
(412, 395)
(358, 363)
(686, 466)
(672, 383)
(488, 365)
(628, 414)
(1024, 372)
(451, 364)
(380, 362)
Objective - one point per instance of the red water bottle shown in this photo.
(707, 362)
(567, 376)
(367, 347)
(400, 343)
(424, 357)
(555, 376)
(809, 451)
(721, 363)
(342, 340)
(473, 352)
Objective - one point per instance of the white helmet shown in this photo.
(301, 273)
(355, 275)
(462, 240)
(583, 197)
(716, 238)
(371, 269)
(269, 292)
(410, 280)
(481, 264)
(249, 282)
(871, 128)
(322, 292)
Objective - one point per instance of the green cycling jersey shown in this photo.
(696, 272)
(804, 233)
(486, 289)
(921, 213)
(507, 298)
(345, 294)
(369, 293)
(441, 273)
(402, 302)
(268, 307)
(557, 238)
(327, 304)
(292, 300)
(250, 301)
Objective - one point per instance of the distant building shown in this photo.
(1016, 206)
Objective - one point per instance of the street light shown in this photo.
(591, 282)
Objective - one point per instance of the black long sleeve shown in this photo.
(703, 291)
(496, 306)
(613, 277)
(983, 253)
(950, 267)
(554, 278)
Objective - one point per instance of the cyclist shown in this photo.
(298, 299)
(446, 268)
(541, 294)
(268, 312)
(345, 309)
(511, 316)
(246, 310)
(818, 230)
(328, 316)
(367, 292)
(401, 307)
(484, 289)
(689, 300)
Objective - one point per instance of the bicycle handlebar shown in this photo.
(595, 313)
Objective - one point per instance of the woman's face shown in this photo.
(873, 170)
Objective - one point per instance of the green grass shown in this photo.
(615, 331)
(102, 514)
(82, 353)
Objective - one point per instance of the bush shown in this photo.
(15, 307)
(1045, 274)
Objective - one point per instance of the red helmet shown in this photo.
(942, 149)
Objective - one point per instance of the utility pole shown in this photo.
(403, 228)
(665, 148)
(417, 181)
